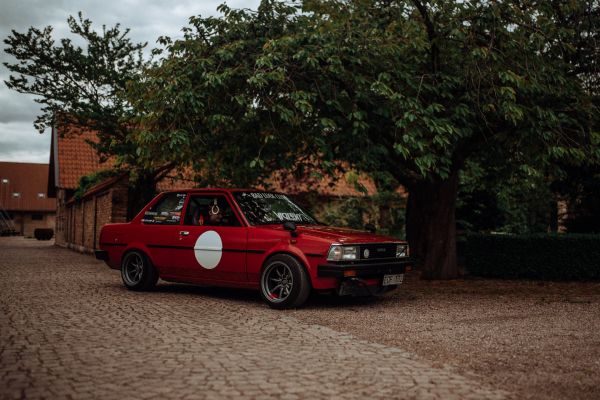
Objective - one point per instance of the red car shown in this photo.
(249, 239)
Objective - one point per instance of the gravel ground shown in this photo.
(539, 340)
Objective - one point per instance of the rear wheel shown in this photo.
(284, 282)
(137, 272)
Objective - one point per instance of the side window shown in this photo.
(210, 210)
(167, 211)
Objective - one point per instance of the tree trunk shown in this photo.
(431, 227)
(141, 192)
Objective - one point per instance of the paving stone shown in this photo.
(69, 329)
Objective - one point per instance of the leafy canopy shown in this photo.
(415, 88)
(79, 86)
(199, 106)
(405, 90)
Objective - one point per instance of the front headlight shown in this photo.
(402, 251)
(342, 253)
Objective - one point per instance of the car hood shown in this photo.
(344, 235)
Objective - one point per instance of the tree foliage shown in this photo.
(407, 91)
(79, 86)
(82, 87)
(200, 107)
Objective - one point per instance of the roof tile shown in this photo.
(77, 158)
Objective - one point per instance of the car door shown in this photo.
(161, 226)
(217, 238)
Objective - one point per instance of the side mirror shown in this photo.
(290, 226)
(370, 227)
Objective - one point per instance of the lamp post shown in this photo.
(3, 191)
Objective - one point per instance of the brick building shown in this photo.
(72, 157)
(24, 203)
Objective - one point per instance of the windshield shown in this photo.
(262, 208)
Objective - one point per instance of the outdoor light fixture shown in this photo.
(4, 180)
(16, 194)
(41, 195)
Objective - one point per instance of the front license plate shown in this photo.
(392, 279)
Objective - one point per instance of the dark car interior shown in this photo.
(210, 211)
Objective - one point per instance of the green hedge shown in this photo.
(550, 257)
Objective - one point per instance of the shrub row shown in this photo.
(43, 234)
(547, 257)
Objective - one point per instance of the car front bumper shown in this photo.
(360, 278)
(363, 270)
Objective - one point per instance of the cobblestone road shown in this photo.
(68, 329)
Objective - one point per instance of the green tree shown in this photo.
(505, 198)
(407, 91)
(198, 107)
(81, 86)
(416, 89)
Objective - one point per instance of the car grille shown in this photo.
(378, 251)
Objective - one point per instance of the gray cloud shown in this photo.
(148, 20)
(17, 107)
(19, 141)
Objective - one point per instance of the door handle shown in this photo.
(184, 233)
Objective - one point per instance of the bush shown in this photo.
(43, 233)
(87, 181)
(541, 256)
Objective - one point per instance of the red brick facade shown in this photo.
(79, 221)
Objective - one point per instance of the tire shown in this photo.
(284, 282)
(137, 272)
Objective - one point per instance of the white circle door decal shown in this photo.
(208, 249)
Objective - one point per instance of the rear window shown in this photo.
(167, 211)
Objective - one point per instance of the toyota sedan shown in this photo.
(249, 239)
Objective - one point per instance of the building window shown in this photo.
(37, 217)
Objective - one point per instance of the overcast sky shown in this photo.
(19, 141)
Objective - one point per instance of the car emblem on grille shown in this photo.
(366, 253)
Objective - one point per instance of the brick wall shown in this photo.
(61, 218)
(79, 221)
(89, 221)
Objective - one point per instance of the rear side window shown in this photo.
(167, 211)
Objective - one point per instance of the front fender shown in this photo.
(256, 264)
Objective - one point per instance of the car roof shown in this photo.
(229, 190)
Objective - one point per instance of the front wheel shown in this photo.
(137, 272)
(284, 282)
